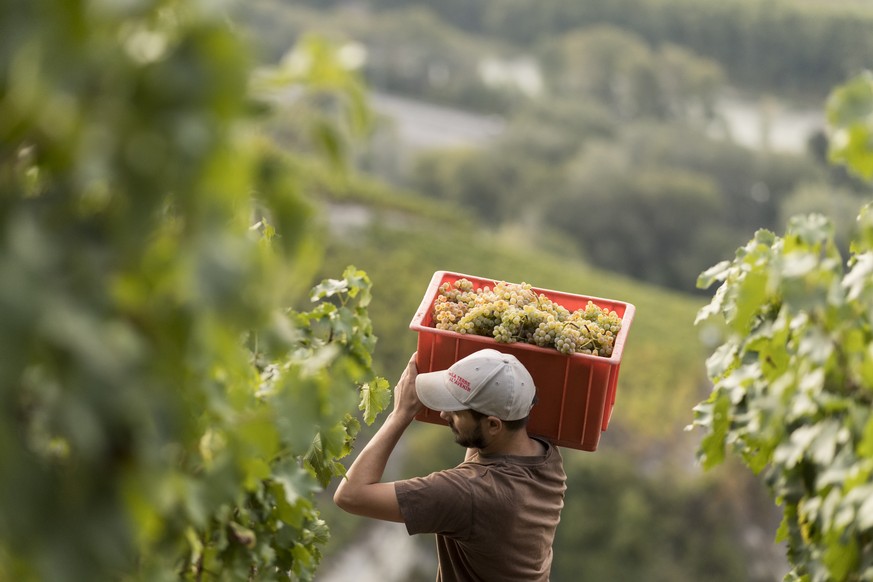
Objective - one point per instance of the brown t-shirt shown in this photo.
(494, 516)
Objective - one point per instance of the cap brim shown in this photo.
(432, 391)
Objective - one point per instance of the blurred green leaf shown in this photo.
(850, 121)
(157, 396)
(329, 288)
(790, 385)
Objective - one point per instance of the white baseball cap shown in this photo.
(488, 381)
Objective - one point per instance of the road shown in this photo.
(421, 125)
(386, 554)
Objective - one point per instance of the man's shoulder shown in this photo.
(458, 476)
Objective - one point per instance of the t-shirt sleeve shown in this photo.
(439, 503)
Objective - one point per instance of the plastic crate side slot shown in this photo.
(596, 404)
(564, 397)
(613, 388)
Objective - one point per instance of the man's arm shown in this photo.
(361, 491)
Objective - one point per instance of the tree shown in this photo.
(793, 381)
(167, 405)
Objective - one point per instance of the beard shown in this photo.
(475, 440)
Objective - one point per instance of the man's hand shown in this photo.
(362, 492)
(406, 402)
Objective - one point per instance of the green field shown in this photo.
(662, 372)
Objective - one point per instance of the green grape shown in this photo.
(514, 312)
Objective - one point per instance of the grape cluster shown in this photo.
(514, 312)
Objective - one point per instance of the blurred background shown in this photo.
(609, 148)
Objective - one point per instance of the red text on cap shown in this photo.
(459, 381)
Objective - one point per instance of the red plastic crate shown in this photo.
(576, 393)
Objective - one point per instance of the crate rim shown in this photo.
(436, 281)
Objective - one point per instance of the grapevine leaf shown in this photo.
(799, 264)
(860, 277)
(854, 153)
(721, 360)
(718, 272)
(841, 555)
(865, 447)
(782, 532)
(791, 388)
(758, 458)
(375, 397)
(863, 242)
(291, 489)
(713, 308)
(865, 513)
(865, 369)
(321, 460)
(319, 531)
(328, 288)
(195, 543)
(333, 440)
(810, 230)
(303, 563)
(751, 295)
(824, 447)
(353, 426)
(712, 446)
(357, 282)
(261, 436)
(852, 102)
(343, 323)
(255, 470)
(816, 346)
(770, 344)
(791, 452)
(326, 135)
(849, 111)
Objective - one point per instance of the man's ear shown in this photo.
(494, 425)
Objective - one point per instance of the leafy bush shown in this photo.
(163, 411)
(793, 380)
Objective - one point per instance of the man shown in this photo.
(495, 514)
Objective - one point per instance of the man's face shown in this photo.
(466, 428)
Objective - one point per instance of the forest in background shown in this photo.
(616, 177)
(168, 414)
(617, 150)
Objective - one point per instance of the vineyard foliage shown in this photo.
(793, 381)
(172, 393)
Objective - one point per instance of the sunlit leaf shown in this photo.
(375, 397)
(865, 447)
(712, 447)
(329, 288)
(841, 556)
(849, 115)
(751, 295)
(715, 273)
(255, 470)
(859, 280)
(865, 513)
(714, 307)
(824, 448)
(799, 264)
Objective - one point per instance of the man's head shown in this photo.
(488, 382)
